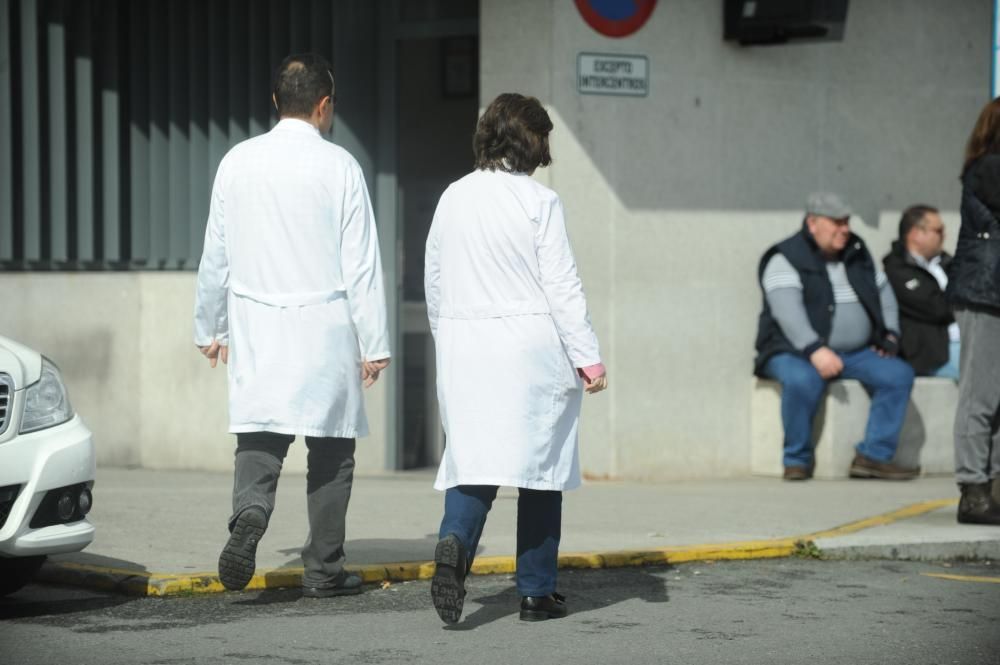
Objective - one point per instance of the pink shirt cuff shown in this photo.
(592, 372)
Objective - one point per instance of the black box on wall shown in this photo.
(768, 22)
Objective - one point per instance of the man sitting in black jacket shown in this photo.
(916, 269)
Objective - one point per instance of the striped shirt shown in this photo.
(851, 328)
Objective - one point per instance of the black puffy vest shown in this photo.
(974, 273)
(817, 293)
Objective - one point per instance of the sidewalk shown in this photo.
(160, 532)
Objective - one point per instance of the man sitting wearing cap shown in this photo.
(829, 313)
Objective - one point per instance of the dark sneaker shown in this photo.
(552, 606)
(977, 506)
(865, 467)
(798, 473)
(345, 584)
(239, 557)
(448, 584)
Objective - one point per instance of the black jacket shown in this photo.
(924, 312)
(974, 274)
(817, 294)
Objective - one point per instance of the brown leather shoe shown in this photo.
(865, 467)
(797, 473)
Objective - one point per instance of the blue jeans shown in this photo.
(887, 380)
(949, 370)
(539, 526)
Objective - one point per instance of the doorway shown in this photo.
(437, 105)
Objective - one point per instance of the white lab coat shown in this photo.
(290, 279)
(510, 325)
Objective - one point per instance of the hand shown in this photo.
(826, 362)
(370, 370)
(214, 352)
(887, 353)
(597, 385)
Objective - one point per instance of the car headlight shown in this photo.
(46, 401)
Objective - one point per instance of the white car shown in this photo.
(47, 467)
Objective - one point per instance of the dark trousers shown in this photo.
(259, 457)
(539, 526)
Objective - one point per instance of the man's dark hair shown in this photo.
(513, 135)
(301, 82)
(913, 216)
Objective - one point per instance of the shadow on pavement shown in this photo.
(88, 559)
(375, 550)
(92, 571)
(585, 591)
(273, 597)
(36, 601)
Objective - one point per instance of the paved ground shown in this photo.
(775, 611)
(173, 523)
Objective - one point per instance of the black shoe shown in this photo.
(448, 584)
(977, 506)
(345, 584)
(540, 608)
(995, 491)
(239, 557)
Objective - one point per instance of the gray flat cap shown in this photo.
(827, 204)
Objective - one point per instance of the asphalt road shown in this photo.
(778, 611)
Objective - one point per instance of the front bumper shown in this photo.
(51, 458)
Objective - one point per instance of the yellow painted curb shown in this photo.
(144, 583)
(886, 518)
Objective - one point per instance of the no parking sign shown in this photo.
(615, 18)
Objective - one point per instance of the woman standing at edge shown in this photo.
(513, 339)
(974, 290)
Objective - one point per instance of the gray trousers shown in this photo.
(977, 419)
(259, 457)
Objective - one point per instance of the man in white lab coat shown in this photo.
(290, 295)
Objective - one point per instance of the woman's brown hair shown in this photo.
(985, 137)
(513, 135)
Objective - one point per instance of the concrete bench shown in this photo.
(926, 439)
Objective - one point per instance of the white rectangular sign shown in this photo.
(612, 74)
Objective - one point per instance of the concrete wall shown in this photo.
(672, 198)
(124, 344)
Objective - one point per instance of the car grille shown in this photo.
(6, 401)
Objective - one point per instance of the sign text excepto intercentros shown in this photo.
(611, 74)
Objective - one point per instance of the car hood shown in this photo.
(23, 364)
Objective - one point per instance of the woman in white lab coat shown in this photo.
(515, 351)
